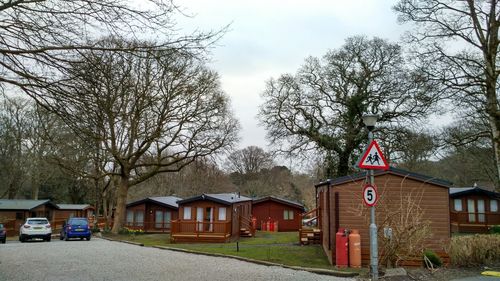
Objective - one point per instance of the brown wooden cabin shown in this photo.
(473, 209)
(274, 209)
(213, 218)
(13, 212)
(66, 211)
(152, 214)
(341, 205)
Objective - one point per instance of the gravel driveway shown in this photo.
(103, 260)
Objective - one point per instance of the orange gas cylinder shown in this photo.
(341, 241)
(355, 249)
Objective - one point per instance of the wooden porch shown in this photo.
(150, 227)
(466, 222)
(310, 232)
(192, 231)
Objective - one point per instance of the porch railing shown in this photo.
(198, 228)
(474, 219)
(149, 226)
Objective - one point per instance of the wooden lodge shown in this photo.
(213, 218)
(284, 213)
(13, 212)
(152, 214)
(473, 209)
(403, 196)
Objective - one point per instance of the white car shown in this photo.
(35, 228)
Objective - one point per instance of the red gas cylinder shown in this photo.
(341, 246)
(271, 226)
(354, 249)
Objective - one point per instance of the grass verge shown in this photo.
(281, 248)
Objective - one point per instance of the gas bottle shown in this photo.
(354, 249)
(341, 241)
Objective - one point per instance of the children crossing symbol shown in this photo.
(372, 158)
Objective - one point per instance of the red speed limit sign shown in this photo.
(370, 195)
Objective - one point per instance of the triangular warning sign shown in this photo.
(372, 158)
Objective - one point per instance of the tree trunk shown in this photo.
(493, 114)
(121, 204)
(343, 166)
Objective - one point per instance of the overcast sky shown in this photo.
(270, 37)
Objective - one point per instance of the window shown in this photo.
(158, 219)
(480, 210)
(130, 217)
(458, 205)
(288, 214)
(187, 213)
(139, 218)
(19, 216)
(493, 205)
(222, 213)
(471, 209)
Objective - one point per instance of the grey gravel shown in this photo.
(103, 260)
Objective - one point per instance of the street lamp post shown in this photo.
(370, 120)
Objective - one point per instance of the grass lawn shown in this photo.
(280, 247)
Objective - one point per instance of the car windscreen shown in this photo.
(1, 225)
(78, 221)
(39, 221)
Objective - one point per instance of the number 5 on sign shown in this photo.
(370, 195)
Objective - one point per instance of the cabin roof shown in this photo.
(392, 171)
(222, 198)
(166, 201)
(279, 200)
(74, 206)
(460, 191)
(23, 204)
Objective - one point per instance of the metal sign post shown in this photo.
(373, 231)
(372, 159)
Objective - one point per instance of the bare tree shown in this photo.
(251, 159)
(153, 112)
(470, 72)
(38, 37)
(320, 108)
(14, 129)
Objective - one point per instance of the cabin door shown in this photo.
(199, 219)
(209, 219)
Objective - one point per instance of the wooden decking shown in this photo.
(192, 231)
(473, 222)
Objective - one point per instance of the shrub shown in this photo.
(433, 258)
(495, 229)
(473, 250)
(130, 231)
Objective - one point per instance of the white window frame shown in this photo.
(187, 213)
(493, 206)
(458, 203)
(222, 213)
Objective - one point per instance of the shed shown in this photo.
(473, 209)
(404, 198)
(212, 218)
(13, 212)
(275, 209)
(152, 214)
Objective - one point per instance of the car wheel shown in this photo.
(88, 238)
(3, 241)
(48, 239)
(21, 238)
(66, 238)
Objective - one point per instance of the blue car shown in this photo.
(76, 228)
(3, 234)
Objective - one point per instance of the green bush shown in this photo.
(433, 257)
(474, 250)
(495, 229)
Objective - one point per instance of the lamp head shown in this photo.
(370, 120)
